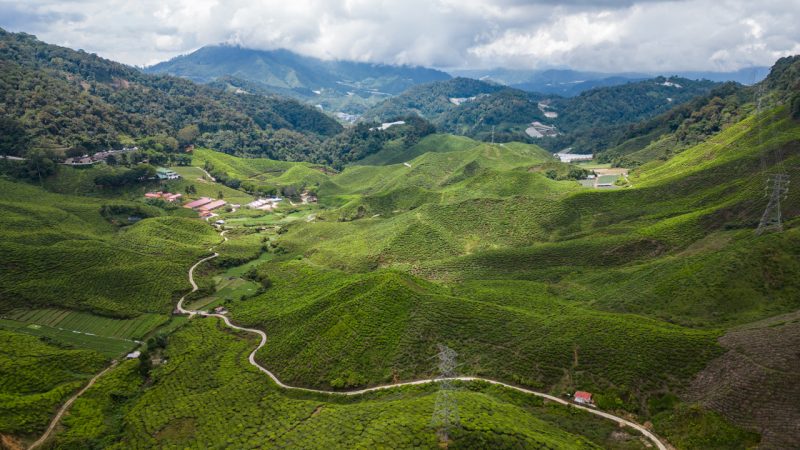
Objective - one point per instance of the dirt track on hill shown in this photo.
(252, 359)
(65, 407)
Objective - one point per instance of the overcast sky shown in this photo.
(603, 35)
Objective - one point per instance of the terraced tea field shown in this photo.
(135, 328)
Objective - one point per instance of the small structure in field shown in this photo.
(220, 310)
(166, 196)
(265, 204)
(583, 397)
(567, 157)
(133, 355)
(166, 174)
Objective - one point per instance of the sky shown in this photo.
(600, 35)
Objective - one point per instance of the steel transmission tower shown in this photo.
(445, 415)
(777, 188)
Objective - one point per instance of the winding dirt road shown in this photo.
(66, 407)
(252, 358)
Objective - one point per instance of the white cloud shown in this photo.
(610, 35)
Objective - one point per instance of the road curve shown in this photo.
(66, 407)
(252, 358)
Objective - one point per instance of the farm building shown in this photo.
(265, 204)
(213, 205)
(570, 157)
(166, 174)
(79, 161)
(583, 397)
(198, 203)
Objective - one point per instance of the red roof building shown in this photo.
(198, 203)
(213, 205)
(582, 397)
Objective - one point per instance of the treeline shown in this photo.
(126, 177)
(54, 97)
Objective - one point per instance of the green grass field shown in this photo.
(107, 346)
(102, 326)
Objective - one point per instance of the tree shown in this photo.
(188, 134)
(40, 164)
(796, 106)
(13, 139)
(220, 194)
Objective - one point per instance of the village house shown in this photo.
(583, 397)
(166, 174)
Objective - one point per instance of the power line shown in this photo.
(445, 414)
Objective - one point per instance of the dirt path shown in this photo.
(65, 407)
(208, 174)
(252, 358)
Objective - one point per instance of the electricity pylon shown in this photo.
(777, 188)
(445, 414)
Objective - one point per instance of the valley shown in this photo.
(255, 274)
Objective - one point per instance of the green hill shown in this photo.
(60, 251)
(207, 389)
(90, 103)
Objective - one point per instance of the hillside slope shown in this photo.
(54, 97)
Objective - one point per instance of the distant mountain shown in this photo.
(285, 72)
(569, 83)
(480, 108)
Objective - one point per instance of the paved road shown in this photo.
(252, 358)
(66, 407)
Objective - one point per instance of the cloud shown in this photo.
(608, 35)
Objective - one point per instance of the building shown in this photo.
(265, 204)
(213, 205)
(570, 157)
(79, 161)
(198, 203)
(166, 174)
(133, 355)
(583, 397)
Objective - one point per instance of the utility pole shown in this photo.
(445, 415)
(777, 188)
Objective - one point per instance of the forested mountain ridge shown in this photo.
(474, 108)
(54, 97)
(329, 83)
